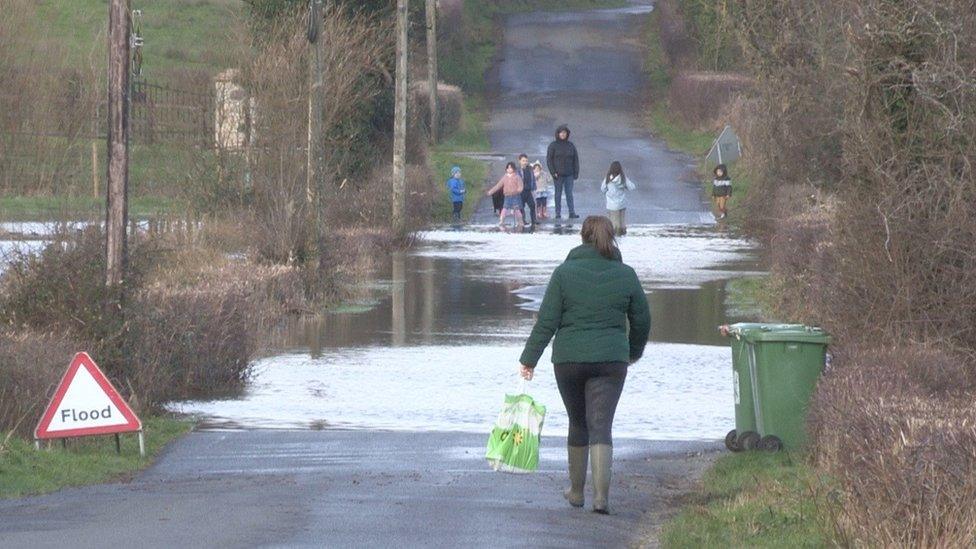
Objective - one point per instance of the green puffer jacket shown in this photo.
(587, 305)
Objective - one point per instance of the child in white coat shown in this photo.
(615, 186)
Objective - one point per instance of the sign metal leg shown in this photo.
(142, 444)
(118, 444)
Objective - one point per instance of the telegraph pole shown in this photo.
(118, 148)
(431, 10)
(314, 187)
(400, 122)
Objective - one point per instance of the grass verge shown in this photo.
(178, 35)
(470, 137)
(25, 471)
(676, 134)
(755, 500)
(45, 208)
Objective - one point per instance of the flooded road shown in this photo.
(439, 346)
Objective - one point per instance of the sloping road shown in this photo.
(586, 70)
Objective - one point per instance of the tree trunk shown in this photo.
(315, 174)
(400, 123)
(432, 68)
(118, 149)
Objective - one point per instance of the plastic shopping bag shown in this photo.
(513, 446)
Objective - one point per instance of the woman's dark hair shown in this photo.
(725, 172)
(511, 165)
(615, 170)
(598, 232)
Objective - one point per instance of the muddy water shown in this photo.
(439, 346)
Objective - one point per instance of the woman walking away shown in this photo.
(543, 183)
(455, 185)
(590, 300)
(721, 189)
(615, 185)
(511, 185)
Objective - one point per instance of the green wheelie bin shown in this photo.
(785, 365)
(746, 435)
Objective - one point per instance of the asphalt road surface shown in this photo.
(352, 489)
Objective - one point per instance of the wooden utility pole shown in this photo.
(431, 10)
(400, 122)
(315, 172)
(118, 147)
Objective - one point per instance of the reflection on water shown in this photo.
(442, 345)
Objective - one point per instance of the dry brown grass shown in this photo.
(896, 426)
(31, 364)
(701, 99)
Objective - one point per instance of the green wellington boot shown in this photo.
(601, 457)
(577, 474)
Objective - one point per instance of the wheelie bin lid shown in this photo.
(741, 329)
(795, 333)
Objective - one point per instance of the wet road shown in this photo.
(459, 304)
(586, 72)
(348, 489)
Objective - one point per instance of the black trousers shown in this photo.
(528, 200)
(590, 392)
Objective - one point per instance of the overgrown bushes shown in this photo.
(859, 135)
(179, 338)
(896, 427)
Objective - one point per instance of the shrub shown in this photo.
(701, 98)
(193, 319)
(31, 364)
(896, 426)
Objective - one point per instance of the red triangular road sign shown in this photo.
(86, 403)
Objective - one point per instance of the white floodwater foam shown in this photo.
(676, 392)
(662, 256)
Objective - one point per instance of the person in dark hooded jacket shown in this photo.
(563, 163)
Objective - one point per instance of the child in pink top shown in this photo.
(511, 185)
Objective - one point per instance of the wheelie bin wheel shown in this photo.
(770, 443)
(749, 440)
(731, 441)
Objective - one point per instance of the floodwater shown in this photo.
(438, 348)
(437, 345)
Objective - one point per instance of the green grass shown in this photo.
(474, 172)
(471, 136)
(44, 208)
(678, 136)
(178, 34)
(92, 460)
(755, 500)
(749, 298)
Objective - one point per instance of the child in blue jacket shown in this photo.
(455, 185)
